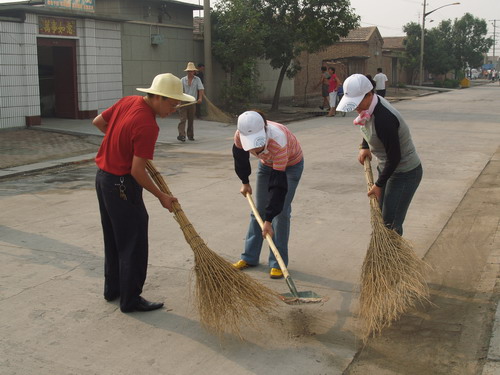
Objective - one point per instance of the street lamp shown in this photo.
(424, 14)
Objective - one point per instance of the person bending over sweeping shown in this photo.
(387, 136)
(131, 131)
(280, 167)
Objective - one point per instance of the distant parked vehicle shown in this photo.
(474, 74)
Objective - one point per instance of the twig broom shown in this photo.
(225, 297)
(392, 278)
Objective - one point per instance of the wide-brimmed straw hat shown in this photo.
(168, 85)
(191, 67)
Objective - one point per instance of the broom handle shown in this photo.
(369, 182)
(268, 237)
(368, 173)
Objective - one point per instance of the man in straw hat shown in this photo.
(280, 167)
(193, 86)
(387, 136)
(131, 132)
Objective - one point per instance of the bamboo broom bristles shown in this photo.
(226, 298)
(392, 279)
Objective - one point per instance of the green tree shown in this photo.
(450, 46)
(278, 30)
(411, 57)
(238, 33)
(438, 54)
(302, 25)
(237, 43)
(470, 42)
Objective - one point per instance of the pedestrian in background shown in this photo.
(130, 133)
(387, 136)
(380, 80)
(324, 82)
(192, 86)
(280, 167)
(333, 86)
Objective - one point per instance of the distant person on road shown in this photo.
(130, 133)
(387, 136)
(192, 86)
(333, 86)
(324, 82)
(280, 167)
(380, 80)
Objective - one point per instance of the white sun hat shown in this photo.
(355, 89)
(168, 85)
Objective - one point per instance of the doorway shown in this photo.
(57, 77)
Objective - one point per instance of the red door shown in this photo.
(64, 74)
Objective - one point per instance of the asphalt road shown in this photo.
(53, 319)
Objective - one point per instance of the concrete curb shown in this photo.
(45, 165)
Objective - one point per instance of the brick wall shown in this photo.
(347, 58)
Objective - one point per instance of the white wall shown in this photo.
(19, 93)
(268, 78)
(99, 68)
(99, 59)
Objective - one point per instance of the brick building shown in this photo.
(392, 52)
(358, 52)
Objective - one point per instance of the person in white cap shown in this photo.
(192, 86)
(387, 136)
(130, 133)
(280, 167)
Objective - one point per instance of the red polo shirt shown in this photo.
(132, 131)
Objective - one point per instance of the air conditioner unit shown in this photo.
(156, 39)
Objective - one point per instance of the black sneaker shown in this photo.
(191, 139)
(181, 138)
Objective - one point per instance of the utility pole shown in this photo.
(494, 37)
(422, 36)
(207, 44)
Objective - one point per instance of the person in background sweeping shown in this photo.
(131, 132)
(192, 86)
(387, 136)
(280, 167)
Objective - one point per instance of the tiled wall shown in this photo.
(99, 64)
(19, 94)
(99, 68)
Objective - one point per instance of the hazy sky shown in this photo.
(390, 15)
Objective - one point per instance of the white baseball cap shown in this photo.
(355, 89)
(252, 130)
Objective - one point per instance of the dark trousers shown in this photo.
(186, 114)
(125, 229)
(381, 93)
(397, 195)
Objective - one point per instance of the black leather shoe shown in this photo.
(145, 305)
